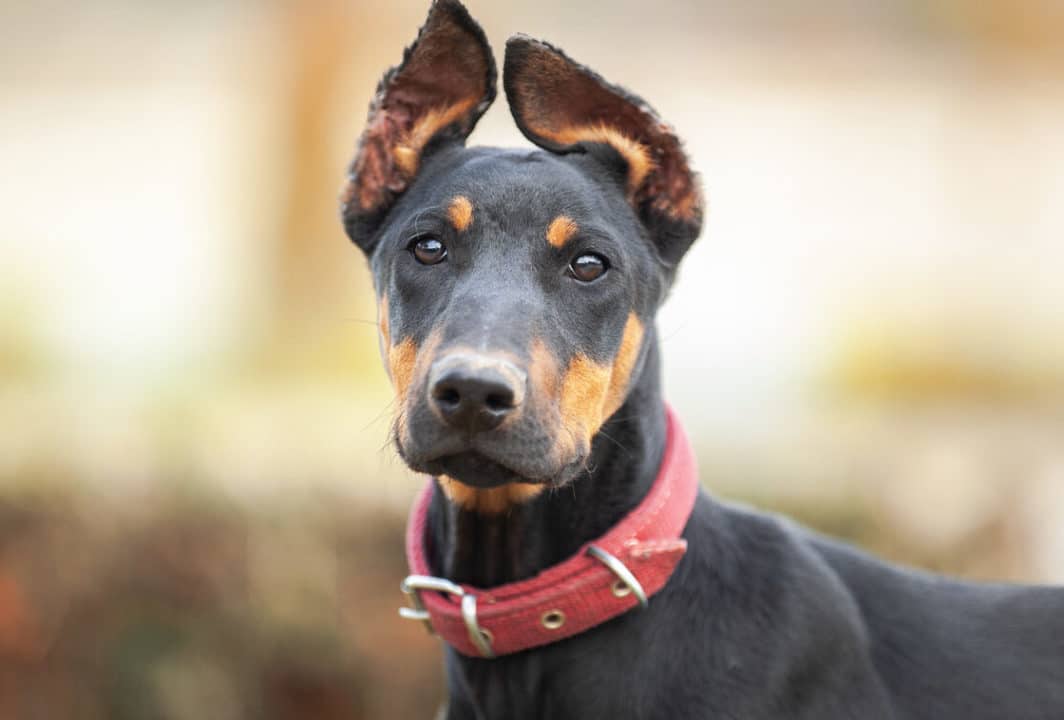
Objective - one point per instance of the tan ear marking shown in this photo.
(407, 152)
(488, 501)
(561, 230)
(460, 213)
(634, 152)
(406, 159)
(558, 104)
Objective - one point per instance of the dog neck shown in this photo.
(486, 550)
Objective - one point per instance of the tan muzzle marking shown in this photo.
(488, 501)
(591, 392)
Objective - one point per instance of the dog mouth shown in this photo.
(476, 470)
(489, 462)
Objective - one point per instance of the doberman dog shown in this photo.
(517, 292)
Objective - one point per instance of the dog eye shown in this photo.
(588, 267)
(428, 250)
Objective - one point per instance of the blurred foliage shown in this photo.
(947, 362)
(23, 357)
(187, 607)
(182, 606)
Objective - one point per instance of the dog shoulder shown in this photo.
(994, 650)
(782, 619)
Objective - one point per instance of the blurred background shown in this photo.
(200, 514)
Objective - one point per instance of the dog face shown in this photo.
(516, 288)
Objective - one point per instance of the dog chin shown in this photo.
(476, 470)
(481, 470)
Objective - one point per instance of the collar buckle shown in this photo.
(412, 587)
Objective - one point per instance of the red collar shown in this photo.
(603, 580)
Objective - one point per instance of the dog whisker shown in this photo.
(615, 442)
(361, 321)
(389, 407)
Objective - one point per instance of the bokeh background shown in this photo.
(200, 515)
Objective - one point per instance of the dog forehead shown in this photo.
(531, 183)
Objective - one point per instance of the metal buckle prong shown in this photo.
(477, 635)
(619, 569)
(412, 587)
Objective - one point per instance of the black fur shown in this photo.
(762, 619)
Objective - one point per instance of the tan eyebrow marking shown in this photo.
(560, 230)
(461, 213)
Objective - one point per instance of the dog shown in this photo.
(563, 548)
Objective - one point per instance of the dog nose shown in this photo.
(475, 393)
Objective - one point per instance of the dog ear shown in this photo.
(434, 97)
(562, 106)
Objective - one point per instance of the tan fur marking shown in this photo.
(688, 207)
(543, 370)
(561, 230)
(634, 152)
(489, 501)
(408, 363)
(592, 392)
(406, 159)
(384, 336)
(402, 359)
(583, 393)
(407, 152)
(461, 213)
(544, 383)
(623, 364)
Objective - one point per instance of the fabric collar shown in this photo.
(605, 578)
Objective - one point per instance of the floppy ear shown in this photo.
(562, 106)
(434, 97)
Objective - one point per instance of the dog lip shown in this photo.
(476, 470)
(461, 460)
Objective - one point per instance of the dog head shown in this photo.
(516, 288)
